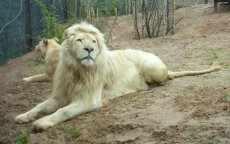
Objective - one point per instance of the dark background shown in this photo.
(19, 36)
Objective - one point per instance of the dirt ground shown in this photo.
(189, 110)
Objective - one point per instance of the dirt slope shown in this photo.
(185, 110)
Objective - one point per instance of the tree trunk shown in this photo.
(78, 10)
(137, 35)
(143, 9)
(170, 17)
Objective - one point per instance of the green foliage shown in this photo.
(208, 142)
(213, 52)
(29, 64)
(53, 27)
(111, 7)
(76, 132)
(39, 60)
(22, 139)
(215, 56)
(226, 96)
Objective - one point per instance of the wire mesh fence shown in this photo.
(21, 22)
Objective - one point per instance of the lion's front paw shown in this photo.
(27, 79)
(22, 118)
(41, 125)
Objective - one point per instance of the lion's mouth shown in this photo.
(87, 57)
(87, 61)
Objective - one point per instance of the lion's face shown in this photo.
(85, 48)
(41, 48)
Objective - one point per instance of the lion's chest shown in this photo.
(83, 86)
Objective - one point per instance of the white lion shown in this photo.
(88, 72)
(48, 49)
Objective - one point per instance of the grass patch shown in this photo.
(22, 139)
(214, 55)
(212, 51)
(208, 142)
(226, 96)
(76, 132)
(29, 64)
(140, 96)
(39, 60)
(137, 115)
(188, 54)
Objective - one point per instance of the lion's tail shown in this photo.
(172, 75)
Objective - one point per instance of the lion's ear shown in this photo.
(101, 41)
(67, 34)
(45, 42)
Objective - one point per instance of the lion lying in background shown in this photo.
(48, 49)
(88, 72)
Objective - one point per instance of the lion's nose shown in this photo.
(88, 49)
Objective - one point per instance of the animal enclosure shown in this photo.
(193, 109)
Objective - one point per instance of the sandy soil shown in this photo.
(185, 110)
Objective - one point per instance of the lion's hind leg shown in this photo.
(154, 71)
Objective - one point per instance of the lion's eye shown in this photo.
(94, 41)
(79, 40)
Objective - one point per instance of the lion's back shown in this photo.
(135, 56)
(52, 58)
